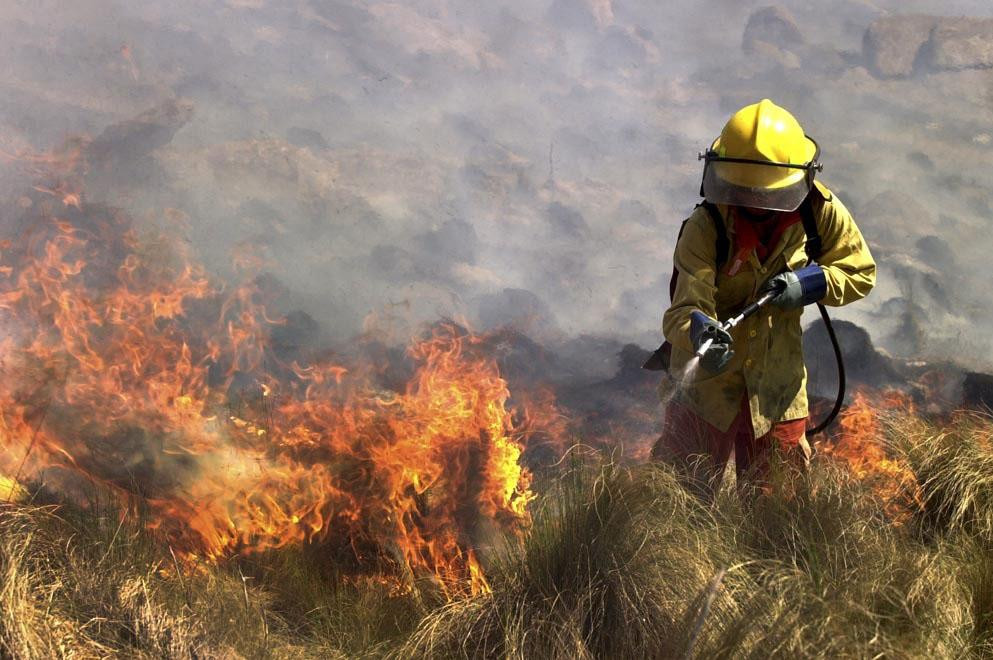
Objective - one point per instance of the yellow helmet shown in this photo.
(762, 159)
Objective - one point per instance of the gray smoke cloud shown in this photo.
(515, 162)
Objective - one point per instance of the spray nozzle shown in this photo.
(709, 336)
(710, 332)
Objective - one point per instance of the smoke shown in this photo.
(512, 162)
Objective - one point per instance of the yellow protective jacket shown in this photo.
(768, 357)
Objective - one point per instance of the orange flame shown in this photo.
(127, 368)
(860, 445)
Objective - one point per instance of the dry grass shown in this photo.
(620, 562)
(78, 585)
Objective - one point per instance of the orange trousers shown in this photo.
(700, 452)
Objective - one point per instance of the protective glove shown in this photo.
(702, 328)
(803, 287)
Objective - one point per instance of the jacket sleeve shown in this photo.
(848, 266)
(694, 260)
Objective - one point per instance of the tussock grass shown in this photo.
(586, 581)
(620, 562)
(624, 563)
(953, 464)
(75, 584)
(337, 613)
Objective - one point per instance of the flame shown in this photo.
(125, 367)
(860, 446)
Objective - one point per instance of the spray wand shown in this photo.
(763, 300)
(749, 310)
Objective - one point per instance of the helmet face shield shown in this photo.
(758, 184)
(762, 159)
(720, 190)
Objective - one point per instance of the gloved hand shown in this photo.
(702, 328)
(803, 287)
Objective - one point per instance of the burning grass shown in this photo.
(618, 562)
(129, 373)
(255, 499)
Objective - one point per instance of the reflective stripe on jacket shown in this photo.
(768, 360)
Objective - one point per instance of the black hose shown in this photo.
(840, 401)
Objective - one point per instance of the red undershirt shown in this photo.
(759, 235)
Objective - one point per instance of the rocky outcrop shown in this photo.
(135, 138)
(773, 42)
(977, 391)
(864, 365)
(772, 37)
(771, 26)
(898, 46)
(958, 44)
(891, 44)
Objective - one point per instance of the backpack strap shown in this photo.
(675, 271)
(659, 360)
(813, 246)
(723, 243)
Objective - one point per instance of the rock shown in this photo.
(977, 390)
(961, 43)
(891, 44)
(129, 140)
(897, 46)
(864, 365)
(629, 372)
(773, 26)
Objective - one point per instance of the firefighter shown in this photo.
(766, 224)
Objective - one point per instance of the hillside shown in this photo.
(322, 324)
